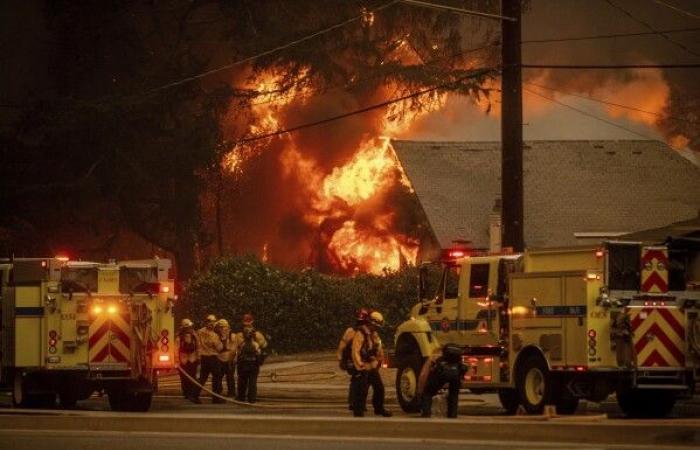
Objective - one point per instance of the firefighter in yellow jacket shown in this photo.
(209, 347)
(227, 355)
(344, 352)
(367, 356)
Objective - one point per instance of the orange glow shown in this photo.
(62, 258)
(165, 289)
(97, 309)
(111, 309)
(163, 358)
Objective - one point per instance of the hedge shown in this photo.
(300, 311)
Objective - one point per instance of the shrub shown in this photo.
(300, 311)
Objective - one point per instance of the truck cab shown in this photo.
(552, 326)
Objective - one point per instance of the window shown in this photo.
(138, 280)
(79, 279)
(479, 280)
(452, 282)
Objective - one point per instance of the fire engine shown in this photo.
(553, 326)
(71, 328)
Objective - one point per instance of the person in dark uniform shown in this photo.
(367, 356)
(251, 345)
(444, 368)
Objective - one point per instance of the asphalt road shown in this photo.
(87, 440)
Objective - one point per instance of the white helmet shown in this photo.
(376, 318)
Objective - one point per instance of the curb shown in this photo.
(488, 429)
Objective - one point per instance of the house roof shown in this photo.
(570, 187)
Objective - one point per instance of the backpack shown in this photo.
(248, 354)
(188, 347)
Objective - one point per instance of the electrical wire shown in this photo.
(651, 28)
(609, 36)
(272, 50)
(468, 12)
(618, 105)
(677, 9)
(587, 114)
(476, 74)
(612, 66)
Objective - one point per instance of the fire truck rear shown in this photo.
(555, 326)
(71, 328)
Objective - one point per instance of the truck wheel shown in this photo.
(534, 384)
(407, 382)
(645, 403)
(509, 400)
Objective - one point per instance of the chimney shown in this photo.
(495, 227)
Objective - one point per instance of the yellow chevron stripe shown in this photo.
(661, 349)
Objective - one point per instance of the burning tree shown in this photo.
(126, 92)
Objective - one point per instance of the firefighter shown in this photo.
(344, 353)
(445, 367)
(367, 356)
(251, 345)
(209, 347)
(227, 355)
(188, 357)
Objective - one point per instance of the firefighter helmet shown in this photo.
(186, 323)
(211, 318)
(222, 323)
(376, 318)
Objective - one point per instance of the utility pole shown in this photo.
(511, 128)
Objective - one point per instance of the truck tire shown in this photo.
(645, 403)
(509, 400)
(409, 368)
(534, 384)
(68, 399)
(22, 398)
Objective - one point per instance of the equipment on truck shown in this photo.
(554, 326)
(70, 328)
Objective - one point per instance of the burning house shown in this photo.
(575, 191)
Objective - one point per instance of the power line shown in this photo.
(272, 50)
(587, 114)
(618, 105)
(475, 74)
(677, 9)
(468, 12)
(612, 66)
(651, 28)
(609, 36)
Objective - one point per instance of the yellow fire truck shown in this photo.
(70, 328)
(558, 325)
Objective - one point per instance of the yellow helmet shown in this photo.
(186, 323)
(376, 318)
(222, 323)
(211, 318)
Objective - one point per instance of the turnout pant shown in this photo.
(189, 389)
(210, 365)
(432, 387)
(360, 383)
(248, 382)
(229, 369)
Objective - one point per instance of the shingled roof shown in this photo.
(570, 186)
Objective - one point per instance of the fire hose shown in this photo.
(273, 377)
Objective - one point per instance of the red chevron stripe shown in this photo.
(116, 354)
(638, 319)
(654, 279)
(97, 335)
(120, 334)
(101, 355)
(661, 336)
(649, 255)
(655, 358)
(672, 321)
